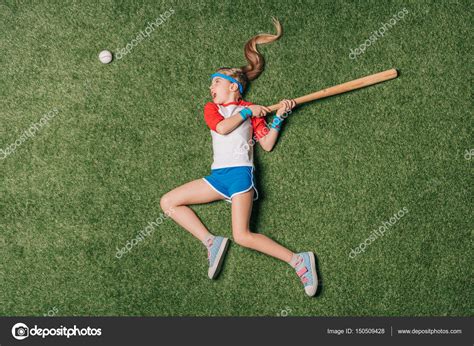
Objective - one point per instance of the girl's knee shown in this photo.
(166, 201)
(243, 238)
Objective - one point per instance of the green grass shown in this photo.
(132, 130)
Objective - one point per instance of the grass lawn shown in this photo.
(125, 133)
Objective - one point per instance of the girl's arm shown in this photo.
(268, 141)
(222, 126)
(216, 122)
(228, 125)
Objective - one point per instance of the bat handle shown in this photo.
(274, 108)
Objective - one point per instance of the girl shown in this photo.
(232, 122)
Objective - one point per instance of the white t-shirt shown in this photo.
(235, 148)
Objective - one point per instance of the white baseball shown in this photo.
(105, 56)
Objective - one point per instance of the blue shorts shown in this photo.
(232, 181)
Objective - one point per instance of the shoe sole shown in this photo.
(315, 275)
(215, 269)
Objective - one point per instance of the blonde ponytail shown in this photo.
(254, 59)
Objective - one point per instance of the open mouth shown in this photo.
(213, 95)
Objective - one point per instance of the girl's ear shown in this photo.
(233, 87)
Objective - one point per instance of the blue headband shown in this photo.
(230, 79)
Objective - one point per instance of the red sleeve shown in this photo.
(246, 103)
(212, 116)
(260, 128)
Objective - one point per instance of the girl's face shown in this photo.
(223, 91)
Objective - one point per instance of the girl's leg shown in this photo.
(194, 192)
(241, 211)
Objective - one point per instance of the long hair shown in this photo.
(255, 60)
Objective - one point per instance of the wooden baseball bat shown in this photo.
(345, 87)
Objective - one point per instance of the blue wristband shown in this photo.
(245, 113)
(276, 123)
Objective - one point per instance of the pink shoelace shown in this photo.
(209, 244)
(303, 270)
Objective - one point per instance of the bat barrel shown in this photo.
(345, 87)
